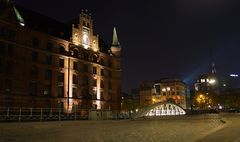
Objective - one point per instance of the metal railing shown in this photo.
(40, 114)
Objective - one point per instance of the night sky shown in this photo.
(161, 38)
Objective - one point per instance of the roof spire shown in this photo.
(115, 41)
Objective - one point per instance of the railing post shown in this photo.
(20, 114)
(50, 112)
(75, 112)
(8, 112)
(30, 112)
(59, 114)
(41, 115)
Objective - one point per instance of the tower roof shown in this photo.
(115, 41)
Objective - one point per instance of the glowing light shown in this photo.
(164, 89)
(168, 88)
(153, 100)
(202, 80)
(233, 75)
(212, 81)
(98, 103)
(136, 110)
(22, 24)
(165, 109)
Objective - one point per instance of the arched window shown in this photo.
(95, 58)
(75, 53)
(61, 50)
(85, 56)
(101, 61)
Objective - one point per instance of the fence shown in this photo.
(40, 114)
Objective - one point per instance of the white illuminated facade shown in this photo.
(165, 109)
(160, 109)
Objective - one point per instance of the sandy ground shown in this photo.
(157, 130)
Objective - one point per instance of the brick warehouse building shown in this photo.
(45, 63)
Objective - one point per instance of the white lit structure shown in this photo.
(161, 109)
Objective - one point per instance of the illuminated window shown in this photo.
(164, 89)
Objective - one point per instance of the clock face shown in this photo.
(85, 41)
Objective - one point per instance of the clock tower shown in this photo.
(82, 35)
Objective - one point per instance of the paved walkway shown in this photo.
(164, 130)
(230, 133)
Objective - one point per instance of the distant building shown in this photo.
(46, 63)
(206, 83)
(172, 90)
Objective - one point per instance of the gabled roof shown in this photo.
(44, 24)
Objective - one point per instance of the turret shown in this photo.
(115, 46)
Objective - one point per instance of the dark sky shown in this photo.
(161, 38)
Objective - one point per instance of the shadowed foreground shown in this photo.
(187, 129)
